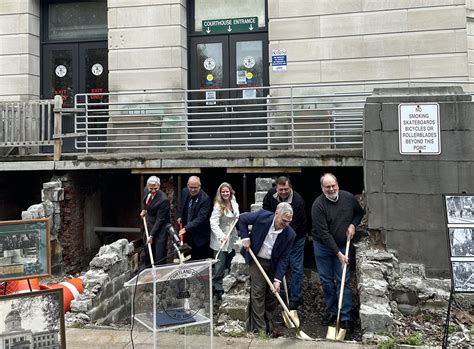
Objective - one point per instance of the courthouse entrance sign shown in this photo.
(230, 25)
(419, 129)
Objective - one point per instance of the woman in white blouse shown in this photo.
(225, 212)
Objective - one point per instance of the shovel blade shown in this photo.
(287, 319)
(331, 333)
(303, 336)
(336, 335)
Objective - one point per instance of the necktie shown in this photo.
(149, 200)
(190, 209)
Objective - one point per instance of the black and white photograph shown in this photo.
(463, 276)
(32, 320)
(461, 241)
(460, 209)
(24, 249)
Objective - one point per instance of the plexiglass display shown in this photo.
(175, 298)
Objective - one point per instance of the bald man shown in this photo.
(336, 215)
(194, 216)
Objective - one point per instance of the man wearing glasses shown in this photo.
(335, 214)
(270, 239)
(194, 219)
(283, 192)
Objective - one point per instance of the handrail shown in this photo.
(281, 117)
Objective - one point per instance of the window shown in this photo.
(75, 20)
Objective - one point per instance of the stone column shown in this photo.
(404, 192)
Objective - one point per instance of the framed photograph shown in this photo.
(460, 209)
(33, 320)
(463, 276)
(461, 242)
(24, 249)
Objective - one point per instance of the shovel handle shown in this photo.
(343, 282)
(285, 308)
(150, 252)
(227, 236)
(285, 286)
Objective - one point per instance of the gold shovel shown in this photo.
(337, 333)
(294, 313)
(299, 333)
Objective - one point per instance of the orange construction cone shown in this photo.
(22, 286)
(71, 290)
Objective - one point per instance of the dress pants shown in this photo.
(262, 300)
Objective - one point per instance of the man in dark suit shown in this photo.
(194, 217)
(271, 240)
(283, 192)
(156, 208)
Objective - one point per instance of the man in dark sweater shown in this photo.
(335, 214)
(283, 192)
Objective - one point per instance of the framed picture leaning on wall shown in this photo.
(24, 249)
(33, 320)
(459, 213)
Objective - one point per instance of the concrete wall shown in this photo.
(147, 45)
(404, 192)
(337, 41)
(19, 50)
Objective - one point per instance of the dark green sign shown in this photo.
(230, 25)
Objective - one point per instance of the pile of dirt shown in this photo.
(313, 310)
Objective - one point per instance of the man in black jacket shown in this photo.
(194, 217)
(283, 192)
(335, 214)
(156, 208)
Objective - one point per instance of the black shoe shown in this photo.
(217, 294)
(347, 325)
(330, 319)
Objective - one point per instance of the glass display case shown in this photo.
(174, 301)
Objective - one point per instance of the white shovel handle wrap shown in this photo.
(343, 282)
(150, 252)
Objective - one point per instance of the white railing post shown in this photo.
(186, 120)
(58, 129)
(292, 113)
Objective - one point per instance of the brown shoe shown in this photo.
(276, 334)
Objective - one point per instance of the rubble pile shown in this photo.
(397, 300)
(105, 300)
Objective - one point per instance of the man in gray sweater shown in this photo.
(335, 215)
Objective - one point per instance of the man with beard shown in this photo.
(335, 214)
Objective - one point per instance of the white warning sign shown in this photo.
(418, 128)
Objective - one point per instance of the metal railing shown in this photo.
(264, 118)
(26, 123)
(320, 116)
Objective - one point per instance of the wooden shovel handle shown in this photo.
(282, 303)
(227, 236)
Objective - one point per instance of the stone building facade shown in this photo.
(149, 42)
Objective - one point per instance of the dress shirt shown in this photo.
(266, 250)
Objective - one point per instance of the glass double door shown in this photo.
(74, 68)
(217, 116)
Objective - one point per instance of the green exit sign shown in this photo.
(230, 25)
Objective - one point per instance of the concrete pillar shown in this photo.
(404, 192)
